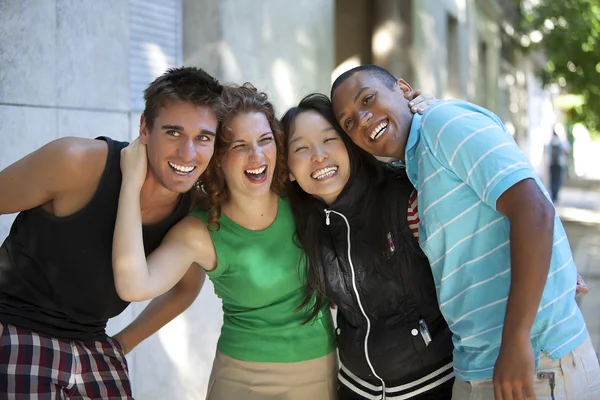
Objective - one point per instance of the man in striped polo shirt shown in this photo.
(500, 257)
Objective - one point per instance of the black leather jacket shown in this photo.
(397, 316)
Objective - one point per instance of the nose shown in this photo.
(319, 155)
(187, 151)
(256, 153)
(365, 118)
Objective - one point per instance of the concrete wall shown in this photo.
(353, 32)
(456, 66)
(436, 45)
(284, 51)
(392, 41)
(58, 76)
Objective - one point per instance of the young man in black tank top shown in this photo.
(56, 283)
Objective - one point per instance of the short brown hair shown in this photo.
(186, 84)
(237, 100)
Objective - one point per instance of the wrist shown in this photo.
(122, 339)
(516, 337)
(131, 190)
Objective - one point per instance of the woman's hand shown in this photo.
(134, 163)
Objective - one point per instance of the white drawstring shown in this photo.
(354, 287)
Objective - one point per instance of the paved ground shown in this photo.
(579, 208)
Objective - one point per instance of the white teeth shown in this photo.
(324, 172)
(378, 130)
(257, 170)
(182, 168)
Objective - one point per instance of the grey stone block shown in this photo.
(134, 124)
(201, 35)
(23, 130)
(28, 52)
(92, 54)
(91, 124)
(296, 47)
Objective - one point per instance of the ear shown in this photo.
(292, 177)
(144, 130)
(406, 89)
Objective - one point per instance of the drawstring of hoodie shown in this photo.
(355, 289)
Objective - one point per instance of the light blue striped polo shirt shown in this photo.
(461, 159)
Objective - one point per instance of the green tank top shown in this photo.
(260, 276)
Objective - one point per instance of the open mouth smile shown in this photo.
(379, 130)
(182, 170)
(257, 175)
(324, 173)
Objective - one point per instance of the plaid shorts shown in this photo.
(33, 366)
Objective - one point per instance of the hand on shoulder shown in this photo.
(134, 163)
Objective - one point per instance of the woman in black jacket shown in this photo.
(353, 217)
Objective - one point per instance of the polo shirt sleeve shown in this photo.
(474, 145)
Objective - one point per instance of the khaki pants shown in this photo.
(576, 376)
(233, 379)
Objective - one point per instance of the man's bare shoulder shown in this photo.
(80, 160)
(79, 153)
(66, 170)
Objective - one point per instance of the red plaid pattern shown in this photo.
(33, 366)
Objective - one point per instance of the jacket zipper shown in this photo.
(354, 287)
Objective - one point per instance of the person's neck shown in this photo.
(254, 213)
(399, 151)
(156, 201)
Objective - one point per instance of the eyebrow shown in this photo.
(356, 96)
(360, 92)
(180, 128)
(261, 136)
(295, 140)
(331, 128)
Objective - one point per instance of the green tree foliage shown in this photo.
(571, 41)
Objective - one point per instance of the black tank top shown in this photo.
(56, 273)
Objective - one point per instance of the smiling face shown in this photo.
(249, 162)
(180, 144)
(375, 117)
(318, 159)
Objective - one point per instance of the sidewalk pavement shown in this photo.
(579, 209)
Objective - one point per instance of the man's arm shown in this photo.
(477, 148)
(52, 172)
(162, 310)
(531, 219)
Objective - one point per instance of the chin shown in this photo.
(180, 187)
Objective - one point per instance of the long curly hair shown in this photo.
(236, 100)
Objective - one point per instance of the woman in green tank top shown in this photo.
(244, 242)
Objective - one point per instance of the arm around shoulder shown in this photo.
(61, 166)
(187, 244)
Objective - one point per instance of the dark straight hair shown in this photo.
(309, 211)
